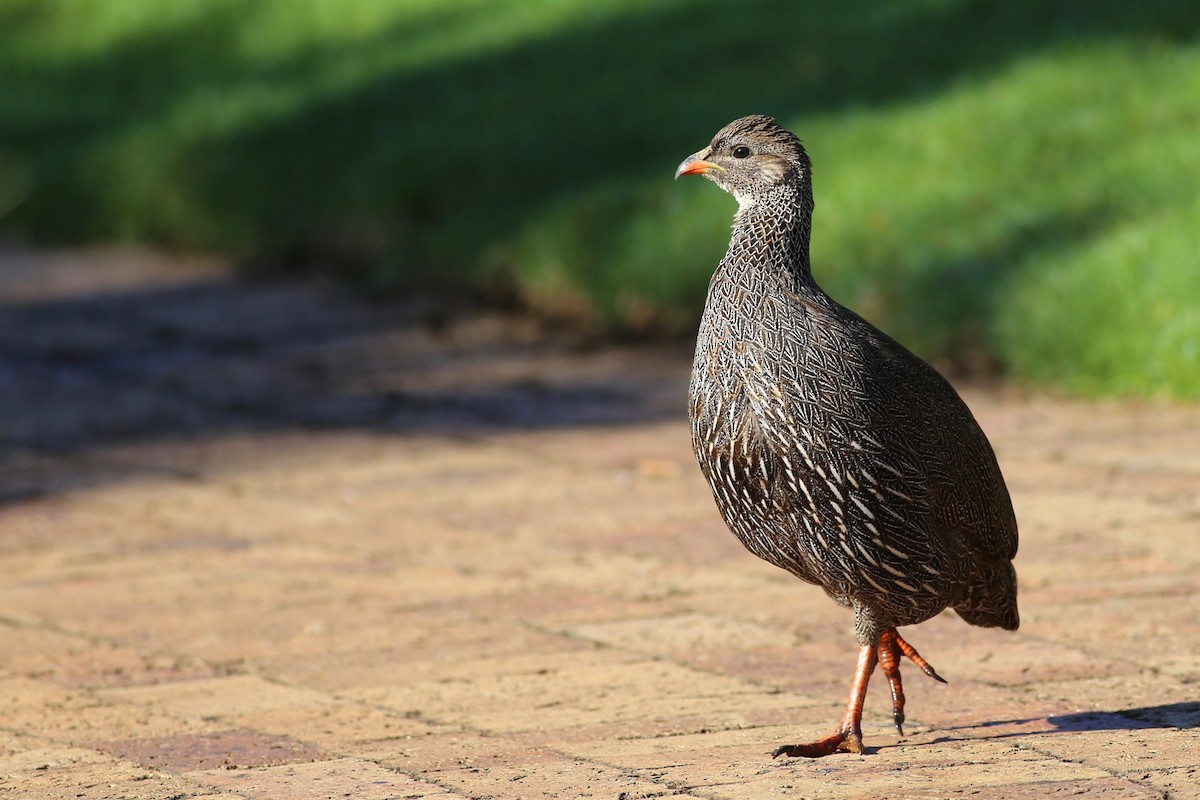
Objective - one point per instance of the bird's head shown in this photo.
(752, 158)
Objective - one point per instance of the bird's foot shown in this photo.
(889, 650)
(840, 742)
(848, 739)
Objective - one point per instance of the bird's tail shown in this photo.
(992, 600)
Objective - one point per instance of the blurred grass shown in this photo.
(1008, 183)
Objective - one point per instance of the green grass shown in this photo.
(1007, 182)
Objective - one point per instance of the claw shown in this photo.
(928, 670)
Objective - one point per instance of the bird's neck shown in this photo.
(770, 241)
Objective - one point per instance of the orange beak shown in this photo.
(694, 165)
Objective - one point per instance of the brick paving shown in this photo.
(269, 541)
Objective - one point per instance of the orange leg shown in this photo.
(889, 664)
(891, 647)
(849, 736)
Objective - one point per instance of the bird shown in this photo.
(832, 451)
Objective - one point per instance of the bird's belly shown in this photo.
(762, 533)
(733, 462)
(811, 532)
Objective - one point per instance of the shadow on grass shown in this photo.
(437, 165)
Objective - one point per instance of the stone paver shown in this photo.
(269, 541)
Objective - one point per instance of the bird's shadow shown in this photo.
(1185, 715)
(1180, 716)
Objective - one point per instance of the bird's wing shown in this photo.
(968, 498)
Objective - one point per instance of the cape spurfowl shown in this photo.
(831, 450)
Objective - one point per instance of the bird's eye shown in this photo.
(741, 151)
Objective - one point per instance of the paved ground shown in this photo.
(265, 541)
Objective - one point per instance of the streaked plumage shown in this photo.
(831, 450)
